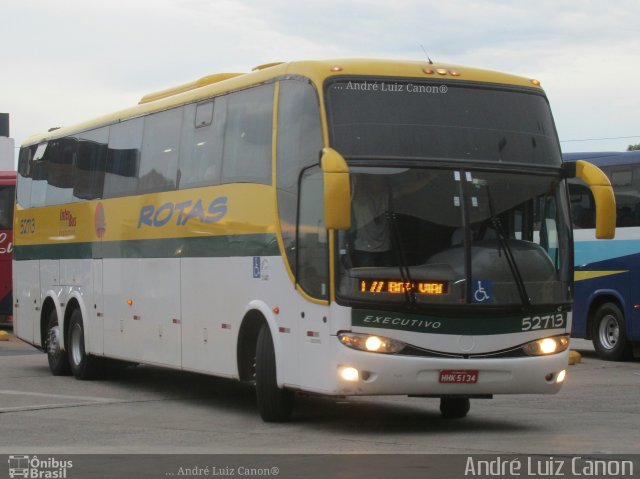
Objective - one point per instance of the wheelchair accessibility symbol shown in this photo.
(482, 291)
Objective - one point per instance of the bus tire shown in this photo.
(275, 404)
(83, 365)
(609, 335)
(454, 407)
(58, 359)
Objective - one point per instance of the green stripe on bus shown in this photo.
(206, 247)
(475, 326)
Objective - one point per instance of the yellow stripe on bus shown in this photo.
(223, 210)
(583, 275)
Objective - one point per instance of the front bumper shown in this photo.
(388, 374)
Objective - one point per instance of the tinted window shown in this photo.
(60, 156)
(204, 114)
(40, 171)
(313, 262)
(123, 158)
(202, 142)
(90, 164)
(427, 119)
(625, 180)
(247, 135)
(24, 175)
(160, 150)
(299, 145)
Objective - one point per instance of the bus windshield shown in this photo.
(439, 120)
(452, 236)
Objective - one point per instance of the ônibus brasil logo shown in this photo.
(37, 468)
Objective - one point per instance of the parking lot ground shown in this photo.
(154, 410)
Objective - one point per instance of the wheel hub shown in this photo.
(609, 332)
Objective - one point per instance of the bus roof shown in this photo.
(317, 71)
(605, 158)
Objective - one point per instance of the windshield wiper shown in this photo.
(508, 253)
(403, 266)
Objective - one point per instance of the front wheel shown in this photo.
(454, 407)
(275, 404)
(83, 365)
(609, 335)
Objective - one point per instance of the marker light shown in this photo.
(336, 68)
(371, 343)
(441, 71)
(535, 82)
(545, 346)
(349, 374)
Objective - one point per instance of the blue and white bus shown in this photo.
(607, 274)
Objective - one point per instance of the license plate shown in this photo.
(456, 376)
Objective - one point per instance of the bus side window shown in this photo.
(625, 181)
(24, 175)
(60, 170)
(160, 149)
(201, 144)
(123, 158)
(40, 172)
(313, 261)
(298, 145)
(90, 164)
(247, 136)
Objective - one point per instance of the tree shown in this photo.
(633, 147)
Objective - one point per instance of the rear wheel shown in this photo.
(58, 361)
(454, 407)
(609, 334)
(275, 404)
(83, 365)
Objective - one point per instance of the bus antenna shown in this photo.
(426, 54)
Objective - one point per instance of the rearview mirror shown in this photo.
(603, 196)
(337, 190)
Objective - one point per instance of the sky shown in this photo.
(66, 61)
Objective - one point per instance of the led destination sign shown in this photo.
(400, 287)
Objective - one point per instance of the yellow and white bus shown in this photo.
(349, 227)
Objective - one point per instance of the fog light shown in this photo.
(349, 374)
(561, 375)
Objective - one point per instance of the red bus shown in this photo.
(7, 199)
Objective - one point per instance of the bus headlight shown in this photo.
(545, 346)
(371, 343)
